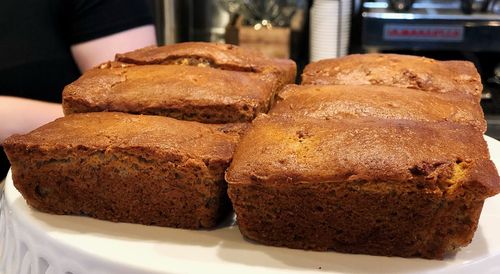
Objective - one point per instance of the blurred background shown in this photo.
(306, 31)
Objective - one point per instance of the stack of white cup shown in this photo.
(330, 26)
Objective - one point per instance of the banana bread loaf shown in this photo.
(373, 186)
(126, 168)
(347, 101)
(455, 77)
(183, 92)
(204, 82)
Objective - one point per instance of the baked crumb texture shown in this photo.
(126, 168)
(204, 82)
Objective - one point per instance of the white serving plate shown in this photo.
(35, 242)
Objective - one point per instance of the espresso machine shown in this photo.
(466, 25)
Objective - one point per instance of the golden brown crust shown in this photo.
(280, 149)
(130, 168)
(374, 186)
(348, 101)
(224, 56)
(186, 92)
(454, 77)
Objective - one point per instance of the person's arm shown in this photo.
(91, 53)
(19, 115)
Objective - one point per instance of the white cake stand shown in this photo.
(35, 242)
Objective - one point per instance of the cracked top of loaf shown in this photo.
(441, 156)
(348, 101)
(457, 77)
(222, 56)
(155, 135)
